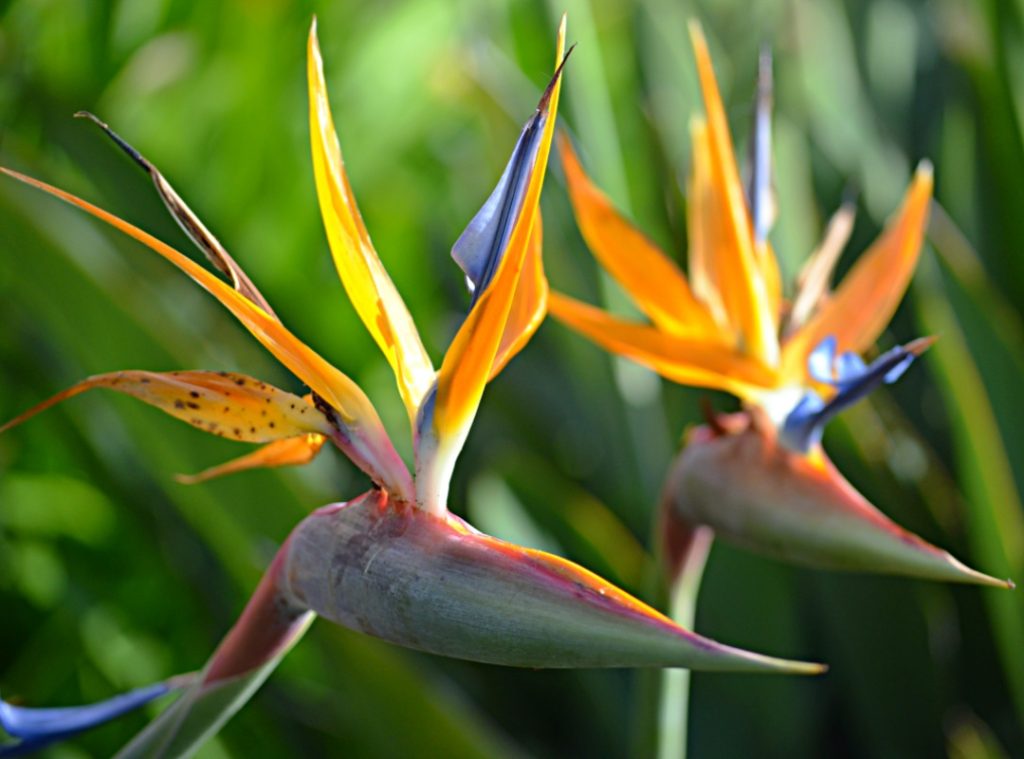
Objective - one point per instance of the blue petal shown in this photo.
(480, 247)
(759, 190)
(805, 424)
(801, 431)
(849, 367)
(37, 728)
(821, 362)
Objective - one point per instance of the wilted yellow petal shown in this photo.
(337, 389)
(368, 444)
(292, 451)
(812, 284)
(867, 298)
(684, 360)
(367, 283)
(530, 304)
(190, 224)
(651, 278)
(740, 274)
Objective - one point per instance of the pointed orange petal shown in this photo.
(651, 278)
(705, 218)
(468, 363)
(292, 451)
(224, 404)
(772, 278)
(683, 360)
(741, 273)
(529, 306)
(367, 283)
(867, 298)
(367, 443)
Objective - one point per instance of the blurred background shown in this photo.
(113, 575)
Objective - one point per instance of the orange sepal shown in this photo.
(651, 278)
(367, 443)
(867, 298)
(292, 451)
(741, 282)
(530, 304)
(368, 285)
(686, 361)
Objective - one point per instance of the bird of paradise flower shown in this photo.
(393, 562)
(760, 477)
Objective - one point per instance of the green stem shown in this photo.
(674, 705)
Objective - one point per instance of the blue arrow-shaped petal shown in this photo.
(36, 728)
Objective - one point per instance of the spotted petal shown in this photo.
(367, 283)
(366, 442)
(228, 405)
(289, 451)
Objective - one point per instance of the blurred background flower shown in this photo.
(113, 575)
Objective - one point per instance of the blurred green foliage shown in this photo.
(112, 574)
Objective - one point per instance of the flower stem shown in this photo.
(688, 562)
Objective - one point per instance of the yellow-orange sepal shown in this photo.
(686, 361)
(449, 409)
(863, 304)
(368, 285)
(651, 278)
(743, 287)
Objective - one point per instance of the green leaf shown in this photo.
(995, 518)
